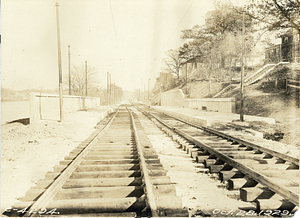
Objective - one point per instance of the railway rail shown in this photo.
(115, 172)
(268, 179)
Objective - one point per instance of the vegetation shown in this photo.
(82, 77)
(23, 95)
(217, 44)
(78, 87)
(275, 14)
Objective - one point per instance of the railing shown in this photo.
(292, 84)
(283, 53)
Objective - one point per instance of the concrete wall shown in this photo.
(174, 98)
(46, 106)
(156, 100)
(224, 105)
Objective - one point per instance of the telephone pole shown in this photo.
(86, 80)
(186, 77)
(107, 87)
(114, 92)
(69, 69)
(59, 66)
(142, 94)
(110, 89)
(242, 70)
(148, 88)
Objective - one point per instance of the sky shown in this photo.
(128, 39)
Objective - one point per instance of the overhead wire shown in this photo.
(112, 15)
(178, 24)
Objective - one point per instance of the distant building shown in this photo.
(192, 68)
(287, 51)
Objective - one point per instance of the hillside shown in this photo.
(261, 99)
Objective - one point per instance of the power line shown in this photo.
(112, 15)
(178, 24)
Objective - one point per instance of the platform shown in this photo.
(207, 118)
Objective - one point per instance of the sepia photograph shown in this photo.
(150, 108)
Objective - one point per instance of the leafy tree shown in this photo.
(164, 82)
(271, 14)
(276, 14)
(219, 39)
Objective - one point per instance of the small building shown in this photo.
(192, 68)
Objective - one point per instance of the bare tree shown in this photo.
(78, 80)
(173, 62)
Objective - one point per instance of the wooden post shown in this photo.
(210, 69)
(86, 80)
(114, 92)
(186, 76)
(40, 105)
(280, 50)
(142, 94)
(69, 55)
(59, 66)
(110, 96)
(107, 87)
(242, 71)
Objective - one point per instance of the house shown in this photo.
(287, 51)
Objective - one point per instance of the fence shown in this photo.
(46, 106)
(292, 84)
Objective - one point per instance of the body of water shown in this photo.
(14, 110)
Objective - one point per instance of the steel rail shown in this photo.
(273, 153)
(149, 191)
(51, 191)
(258, 177)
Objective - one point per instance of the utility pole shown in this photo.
(144, 91)
(148, 88)
(142, 94)
(110, 95)
(210, 72)
(186, 77)
(69, 55)
(114, 92)
(242, 71)
(86, 80)
(107, 87)
(59, 66)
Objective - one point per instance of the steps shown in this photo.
(227, 88)
(258, 75)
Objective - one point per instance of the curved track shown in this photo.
(265, 177)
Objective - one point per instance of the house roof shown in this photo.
(197, 59)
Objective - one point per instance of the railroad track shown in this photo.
(268, 179)
(115, 172)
